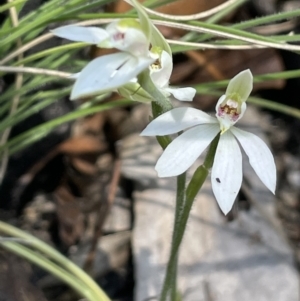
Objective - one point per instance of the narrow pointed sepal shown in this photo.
(91, 35)
(260, 157)
(177, 120)
(226, 175)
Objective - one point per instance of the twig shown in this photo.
(215, 46)
(197, 16)
(36, 71)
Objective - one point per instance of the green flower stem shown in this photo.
(61, 260)
(173, 285)
(201, 173)
(179, 207)
(193, 188)
(161, 105)
(49, 266)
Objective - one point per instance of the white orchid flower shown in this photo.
(111, 71)
(226, 173)
(160, 73)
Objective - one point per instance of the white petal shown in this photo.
(161, 77)
(226, 175)
(260, 157)
(183, 94)
(91, 35)
(108, 73)
(182, 152)
(176, 120)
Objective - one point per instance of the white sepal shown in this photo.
(182, 94)
(176, 120)
(226, 175)
(260, 157)
(91, 35)
(241, 84)
(108, 72)
(185, 149)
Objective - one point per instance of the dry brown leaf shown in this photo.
(69, 216)
(83, 144)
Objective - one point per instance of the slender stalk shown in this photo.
(56, 256)
(161, 105)
(49, 266)
(193, 188)
(173, 285)
(179, 207)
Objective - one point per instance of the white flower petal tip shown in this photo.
(241, 85)
(91, 35)
(177, 120)
(260, 157)
(183, 94)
